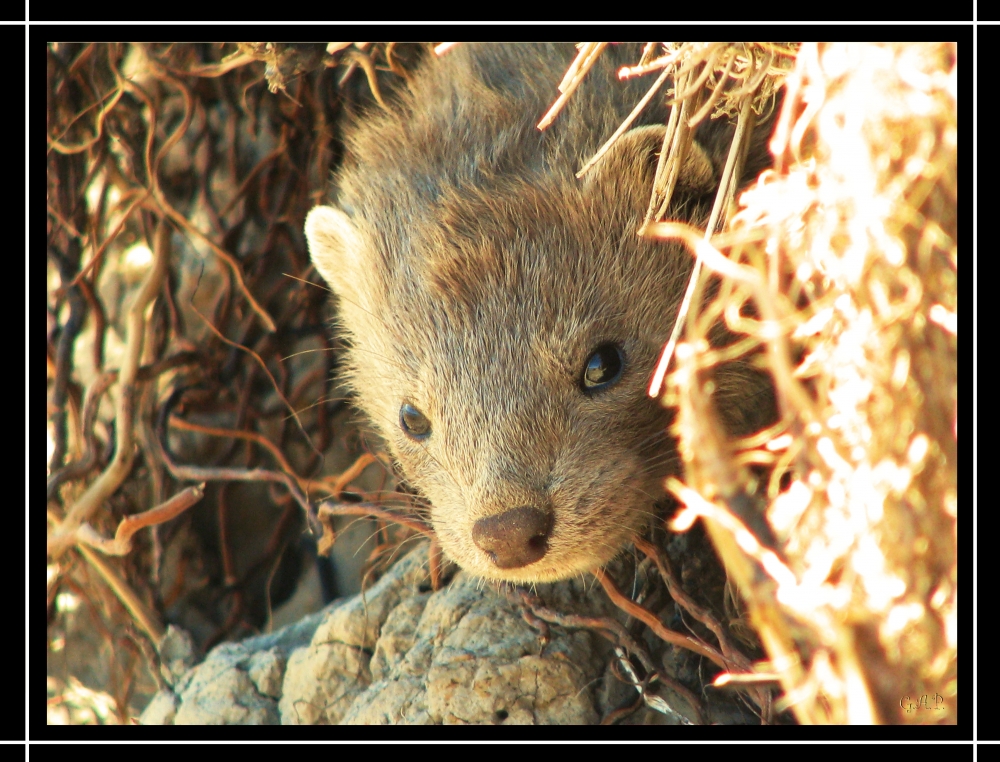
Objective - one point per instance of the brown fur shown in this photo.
(476, 275)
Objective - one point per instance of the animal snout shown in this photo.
(514, 538)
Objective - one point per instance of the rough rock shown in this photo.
(401, 653)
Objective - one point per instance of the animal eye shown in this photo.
(413, 422)
(603, 368)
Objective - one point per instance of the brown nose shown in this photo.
(514, 538)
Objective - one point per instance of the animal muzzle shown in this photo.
(514, 538)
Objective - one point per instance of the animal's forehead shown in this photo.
(507, 310)
(502, 262)
(490, 334)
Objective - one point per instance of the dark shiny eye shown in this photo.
(603, 368)
(413, 422)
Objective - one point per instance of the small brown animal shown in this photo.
(503, 316)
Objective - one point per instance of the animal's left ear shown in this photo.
(631, 162)
(336, 249)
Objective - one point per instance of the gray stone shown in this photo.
(177, 656)
(160, 710)
(267, 670)
(472, 659)
(221, 692)
(402, 654)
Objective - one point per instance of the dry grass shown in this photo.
(187, 344)
(841, 269)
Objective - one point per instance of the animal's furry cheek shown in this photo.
(336, 248)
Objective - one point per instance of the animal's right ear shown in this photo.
(635, 156)
(335, 247)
